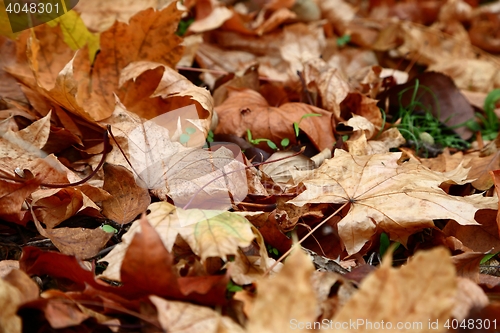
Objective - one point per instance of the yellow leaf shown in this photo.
(75, 33)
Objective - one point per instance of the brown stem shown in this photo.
(106, 149)
(303, 239)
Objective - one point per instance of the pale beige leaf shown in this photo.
(285, 299)
(25, 145)
(328, 83)
(217, 17)
(376, 187)
(180, 317)
(416, 294)
(190, 176)
(209, 233)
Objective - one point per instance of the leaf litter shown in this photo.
(181, 241)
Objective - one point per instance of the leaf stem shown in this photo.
(303, 239)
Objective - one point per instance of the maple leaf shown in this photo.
(273, 123)
(288, 297)
(181, 317)
(209, 233)
(16, 288)
(190, 176)
(398, 199)
(429, 299)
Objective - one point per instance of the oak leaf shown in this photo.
(399, 199)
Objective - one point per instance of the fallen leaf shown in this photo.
(179, 317)
(173, 91)
(469, 297)
(191, 176)
(209, 233)
(475, 237)
(430, 298)
(16, 288)
(128, 199)
(376, 187)
(328, 83)
(25, 145)
(157, 276)
(248, 110)
(100, 16)
(481, 168)
(285, 300)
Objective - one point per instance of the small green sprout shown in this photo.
(385, 242)
(272, 250)
(232, 287)
(108, 228)
(343, 40)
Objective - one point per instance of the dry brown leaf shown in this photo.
(100, 15)
(409, 295)
(209, 233)
(285, 299)
(150, 36)
(326, 81)
(469, 297)
(366, 140)
(175, 92)
(82, 243)
(8, 85)
(48, 54)
(445, 161)
(7, 266)
(480, 168)
(25, 145)
(300, 44)
(247, 109)
(338, 12)
(280, 171)
(376, 187)
(190, 176)
(217, 17)
(16, 288)
(475, 237)
(180, 317)
(128, 199)
(52, 206)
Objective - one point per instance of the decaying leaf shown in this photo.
(191, 176)
(179, 317)
(248, 110)
(386, 296)
(209, 233)
(377, 187)
(286, 299)
(128, 199)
